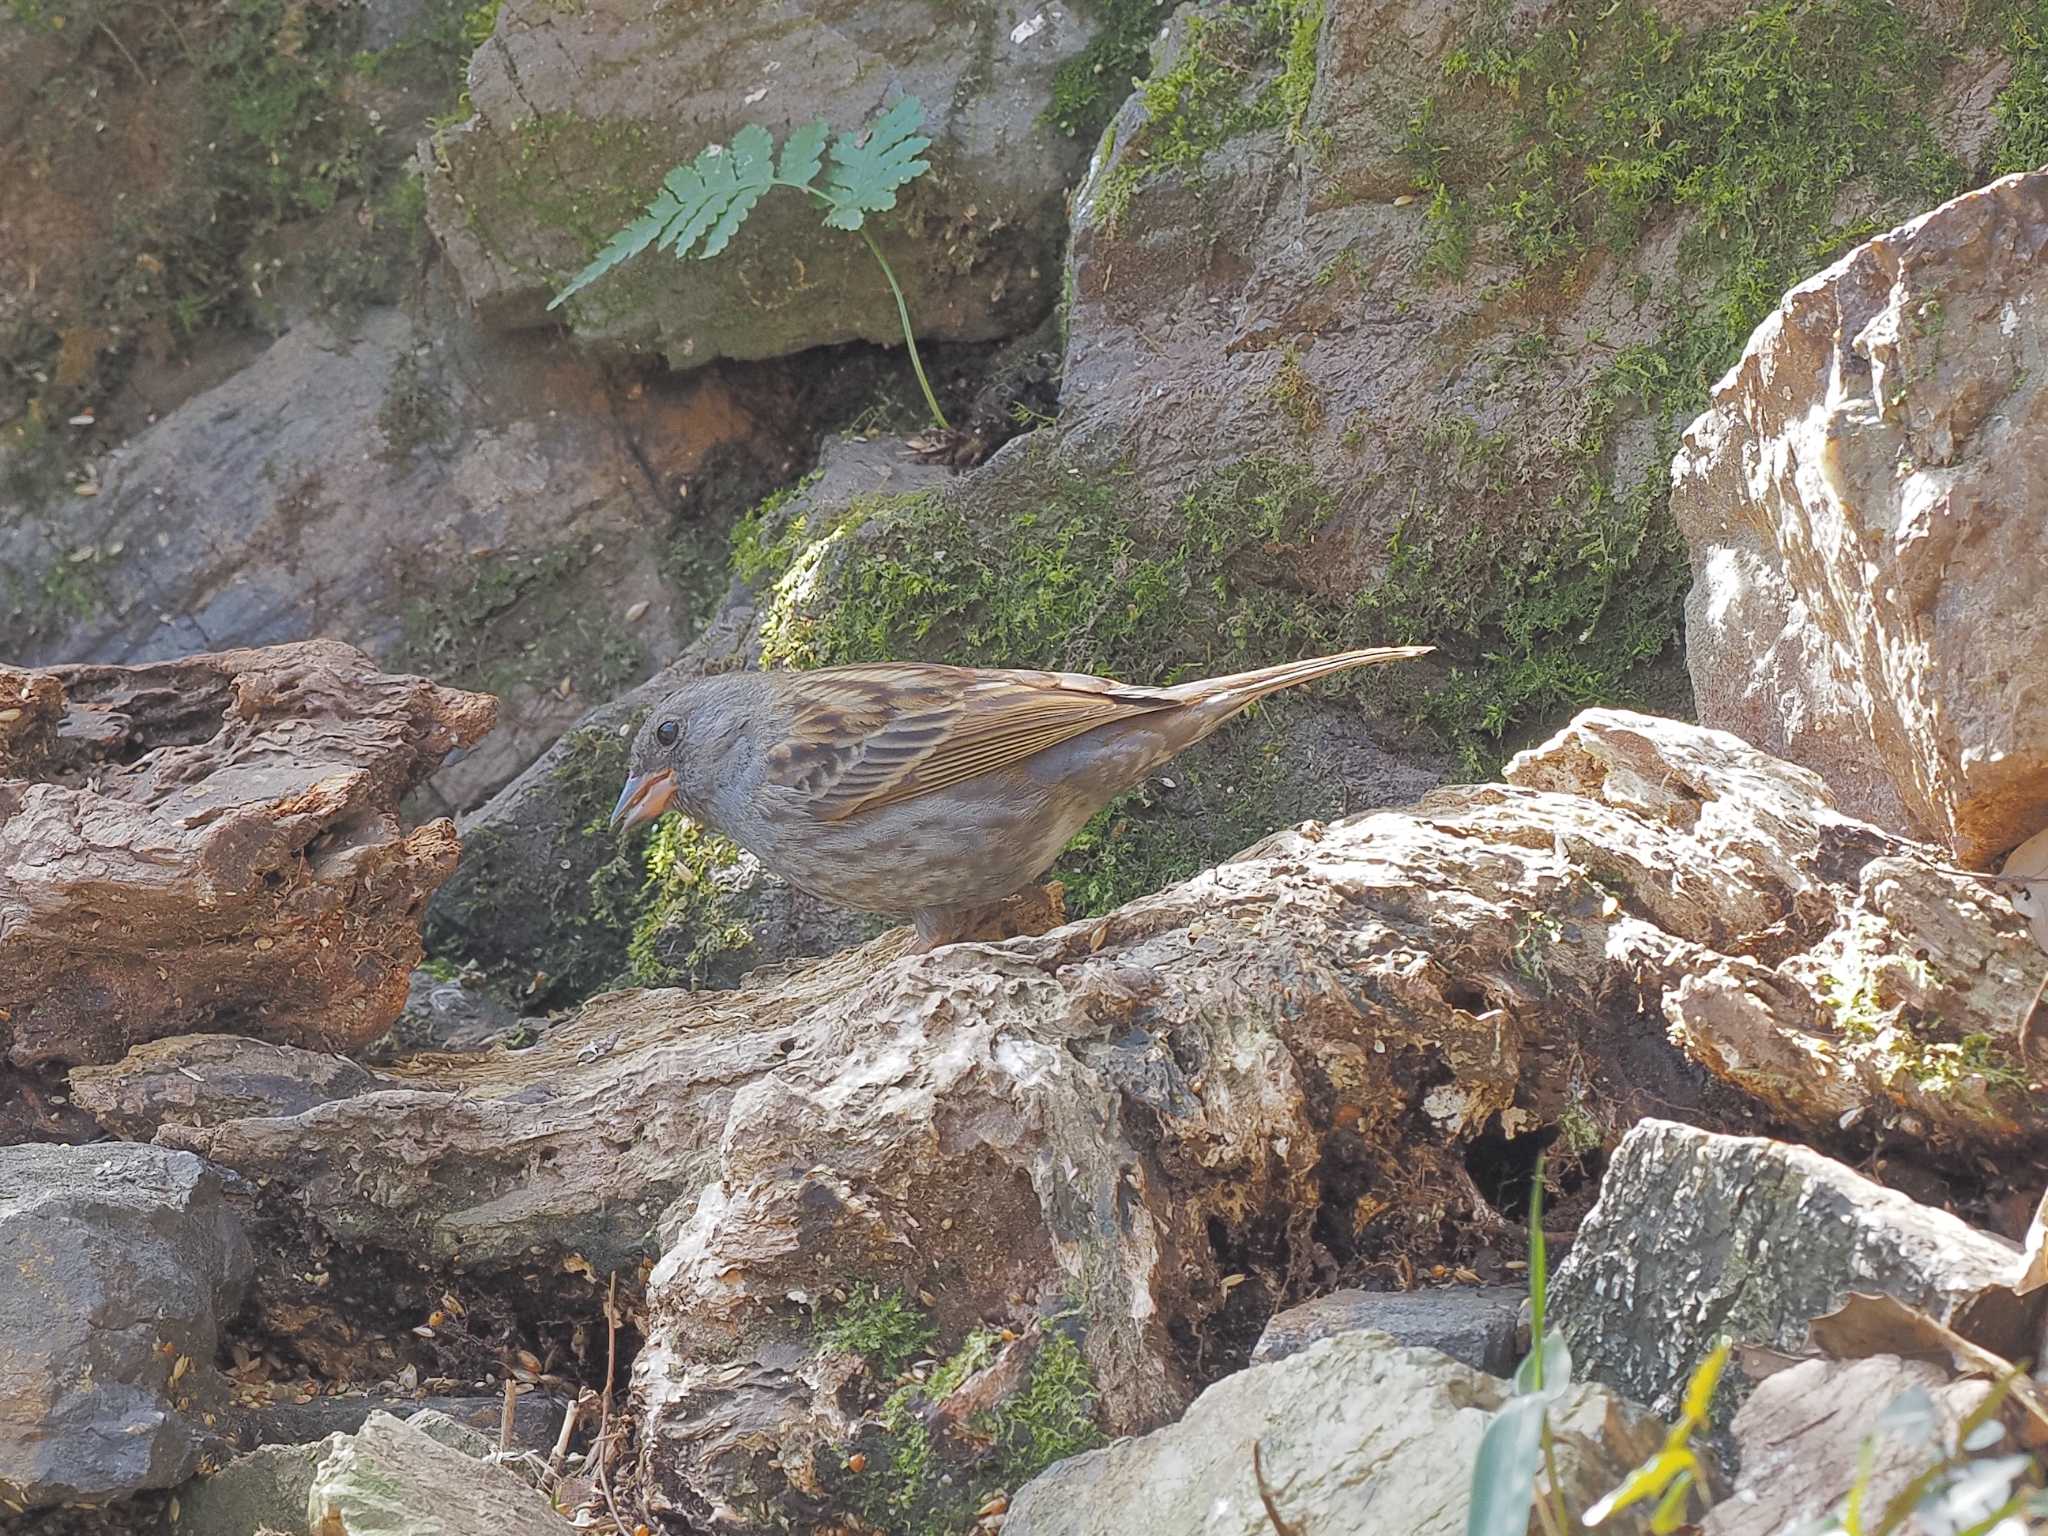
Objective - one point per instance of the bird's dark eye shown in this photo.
(665, 733)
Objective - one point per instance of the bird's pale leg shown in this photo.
(1033, 910)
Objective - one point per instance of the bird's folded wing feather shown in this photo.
(869, 736)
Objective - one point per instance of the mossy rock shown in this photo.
(1476, 284)
(579, 114)
(1047, 557)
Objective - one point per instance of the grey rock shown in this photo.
(1864, 500)
(579, 115)
(453, 1433)
(262, 1491)
(1805, 1431)
(205, 1079)
(267, 1489)
(537, 1418)
(1475, 1327)
(393, 1479)
(1357, 1434)
(451, 1015)
(1697, 1235)
(122, 1264)
(457, 504)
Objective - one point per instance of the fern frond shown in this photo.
(744, 172)
(803, 152)
(865, 175)
(626, 244)
(707, 199)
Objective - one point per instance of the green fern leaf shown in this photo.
(697, 205)
(803, 152)
(746, 171)
(865, 176)
(626, 244)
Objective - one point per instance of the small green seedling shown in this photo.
(1671, 1476)
(1518, 1444)
(708, 199)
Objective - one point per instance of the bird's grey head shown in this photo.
(655, 765)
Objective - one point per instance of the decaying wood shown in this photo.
(1275, 1070)
(214, 844)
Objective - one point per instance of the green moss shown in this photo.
(1547, 586)
(768, 539)
(1088, 88)
(1239, 68)
(884, 1328)
(1052, 1418)
(2022, 107)
(518, 182)
(1785, 135)
(1073, 582)
(1780, 136)
(1904, 1047)
(1297, 396)
(681, 896)
(918, 1489)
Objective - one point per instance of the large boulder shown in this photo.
(1458, 270)
(1864, 500)
(1669, 1260)
(493, 512)
(123, 1263)
(1358, 1434)
(581, 112)
(215, 843)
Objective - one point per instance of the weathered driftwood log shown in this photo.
(1183, 1114)
(214, 844)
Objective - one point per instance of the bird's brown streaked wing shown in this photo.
(865, 737)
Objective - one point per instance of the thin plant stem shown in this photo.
(910, 341)
(1553, 1499)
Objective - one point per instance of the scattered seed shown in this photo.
(637, 612)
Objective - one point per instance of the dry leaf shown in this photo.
(1865, 1325)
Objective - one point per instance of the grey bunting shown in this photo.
(935, 791)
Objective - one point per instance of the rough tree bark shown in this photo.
(214, 844)
(1182, 1114)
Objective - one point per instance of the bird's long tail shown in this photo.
(1240, 688)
